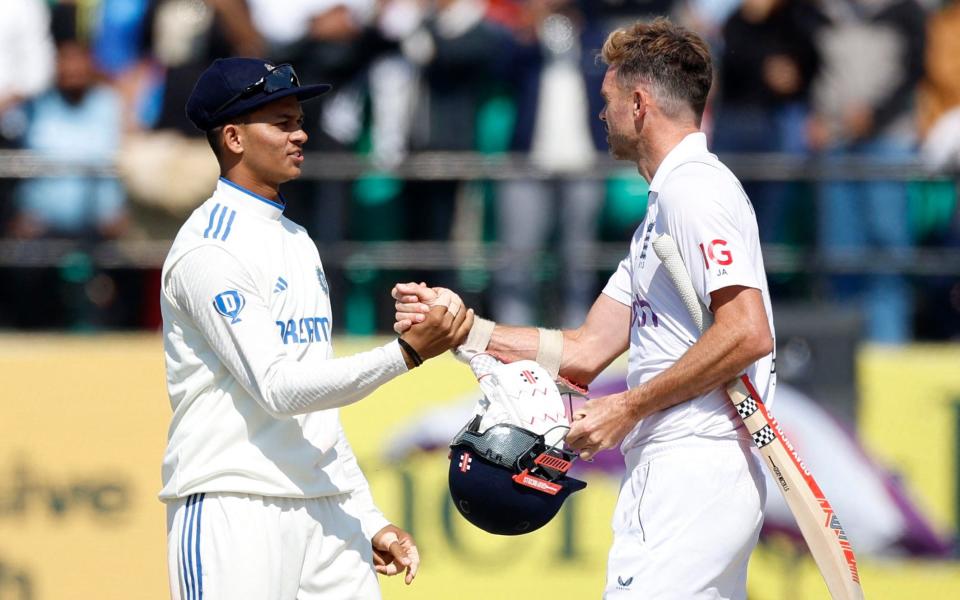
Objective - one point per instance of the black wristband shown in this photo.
(413, 354)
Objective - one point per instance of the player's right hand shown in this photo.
(395, 552)
(414, 300)
(439, 331)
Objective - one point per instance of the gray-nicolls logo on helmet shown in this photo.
(508, 467)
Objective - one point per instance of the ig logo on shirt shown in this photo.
(229, 304)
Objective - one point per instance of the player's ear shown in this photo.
(641, 102)
(232, 139)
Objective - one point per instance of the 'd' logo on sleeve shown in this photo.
(229, 304)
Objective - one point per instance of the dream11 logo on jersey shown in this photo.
(229, 304)
(640, 310)
(716, 253)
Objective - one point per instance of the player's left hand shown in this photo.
(600, 424)
(394, 551)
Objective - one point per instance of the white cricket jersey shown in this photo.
(252, 380)
(699, 202)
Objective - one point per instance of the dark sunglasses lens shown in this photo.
(281, 78)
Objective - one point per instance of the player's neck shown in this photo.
(655, 147)
(245, 180)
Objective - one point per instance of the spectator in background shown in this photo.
(939, 305)
(26, 69)
(79, 120)
(767, 64)
(26, 62)
(553, 125)
(872, 52)
(462, 55)
(116, 30)
(707, 17)
(940, 90)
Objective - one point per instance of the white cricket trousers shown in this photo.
(246, 547)
(687, 518)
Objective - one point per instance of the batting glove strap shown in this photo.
(550, 350)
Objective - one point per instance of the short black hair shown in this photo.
(215, 135)
(215, 139)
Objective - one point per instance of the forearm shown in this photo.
(587, 350)
(583, 352)
(718, 356)
(579, 361)
(292, 388)
(514, 343)
(586, 355)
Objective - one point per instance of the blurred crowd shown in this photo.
(106, 81)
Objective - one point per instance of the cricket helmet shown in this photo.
(508, 480)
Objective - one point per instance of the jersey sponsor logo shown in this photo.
(716, 253)
(229, 304)
(624, 584)
(304, 331)
(641, 313)
(280, 285)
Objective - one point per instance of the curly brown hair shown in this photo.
(672, 58)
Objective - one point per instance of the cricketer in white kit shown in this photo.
(692, 482)
(265, 499)
(690, 506)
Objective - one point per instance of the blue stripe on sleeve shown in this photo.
(233, 213)
(223, 213)
(213, 215)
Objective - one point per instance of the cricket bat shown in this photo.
(818, 522)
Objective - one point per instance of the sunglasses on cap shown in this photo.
(281, 77)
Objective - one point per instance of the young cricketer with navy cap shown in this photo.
(265, 499)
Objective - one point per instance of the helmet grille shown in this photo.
(502, 444)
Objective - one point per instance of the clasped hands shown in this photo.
(439, 323)
(599, 424)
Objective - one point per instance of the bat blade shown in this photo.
(815, 516)
(812, 511)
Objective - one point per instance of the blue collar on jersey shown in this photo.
(278, 205)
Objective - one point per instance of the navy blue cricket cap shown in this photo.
(231, 87)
